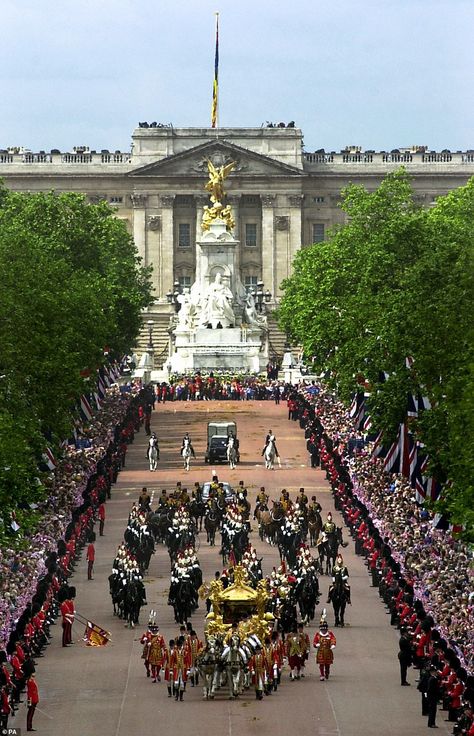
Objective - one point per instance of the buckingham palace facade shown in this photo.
(283, 198)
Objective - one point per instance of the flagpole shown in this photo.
(215, 86)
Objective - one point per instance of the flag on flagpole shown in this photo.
(85, 407)
(49, 459)
(215, 86)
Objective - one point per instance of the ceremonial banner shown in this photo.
(215, 87)
(94, 636)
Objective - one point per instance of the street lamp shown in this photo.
(261, 297)
(172, 296)
(150, 324)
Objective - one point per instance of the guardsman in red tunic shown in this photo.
(277, 652)
(324, 641)
(195, 647)
(145, 640)
(179, 665)
(166, 666)
(258, 670)
(90, 556)
(33, 700)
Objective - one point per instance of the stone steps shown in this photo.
(160, 337)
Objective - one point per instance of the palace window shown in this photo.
(318, 200)
(184, 281)
(250, 283)
(318, 232)
(184, 235)
(251, 234)
(116, 199)
(250, 200)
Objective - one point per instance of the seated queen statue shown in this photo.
(216, 305)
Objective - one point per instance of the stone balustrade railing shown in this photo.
(394, 157)
(56, 157)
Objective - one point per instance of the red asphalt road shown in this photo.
(103, 692)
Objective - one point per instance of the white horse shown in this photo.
(153, 453)
(231, 453)
(234, 660)
(186, 453)
(270, 454)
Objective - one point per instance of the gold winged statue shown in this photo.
(215, 186)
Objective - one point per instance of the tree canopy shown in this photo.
(397, 282)
(72, 283)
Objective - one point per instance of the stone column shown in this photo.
(293, 237)
(167, 243)
(139, 200)
(201, 200)
(154, 254)
(234, 201)
(268, 242)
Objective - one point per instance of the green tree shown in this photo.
(396, 281)
(72, 284)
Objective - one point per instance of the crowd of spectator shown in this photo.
(424, 574)
(35, 567)
(219, 387)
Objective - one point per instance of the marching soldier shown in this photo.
(167, 656)
(324, 642)
(304, 646)
(179, 665)
(145, 640)
(257, 667)
(294, 654)
(195, 647)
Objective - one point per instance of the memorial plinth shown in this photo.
(217, 327)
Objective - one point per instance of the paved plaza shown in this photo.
(86, 691)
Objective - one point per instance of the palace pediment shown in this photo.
(193, 162)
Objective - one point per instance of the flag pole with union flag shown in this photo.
(215, 86)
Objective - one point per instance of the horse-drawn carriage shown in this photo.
(218, 434)
(236, 625)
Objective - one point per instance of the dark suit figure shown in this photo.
(432, 696)
(404, 655)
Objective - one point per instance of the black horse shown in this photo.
(288, 545)
(197, 510)
(182, 598)
(328, 550)
(237, 542)
(339, 598)
(307, 595)
(134, 598)
(211, 524)
(287, 616)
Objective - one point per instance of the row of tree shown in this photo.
(71, 284)
(387, 302)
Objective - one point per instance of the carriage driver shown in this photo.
(340, 569)
(188, 438)
(270, 438)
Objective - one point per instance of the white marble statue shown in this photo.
(216, 305)
(250, 312)
(186, 313)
